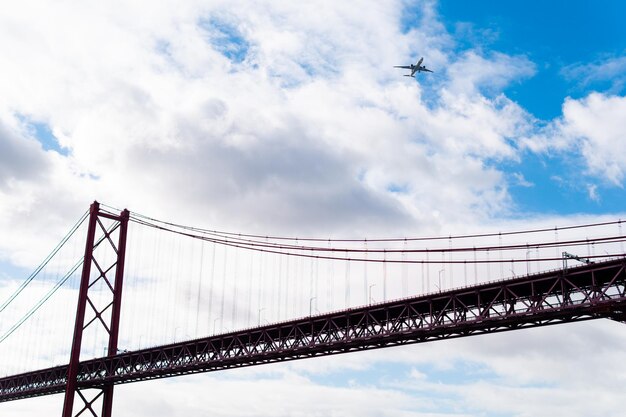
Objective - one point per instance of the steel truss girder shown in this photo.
(582, 293)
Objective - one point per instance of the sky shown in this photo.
(289, 118)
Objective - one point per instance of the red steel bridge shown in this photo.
(575, 288)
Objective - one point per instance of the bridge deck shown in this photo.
(581, 293)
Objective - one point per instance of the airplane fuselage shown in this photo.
(418, 67)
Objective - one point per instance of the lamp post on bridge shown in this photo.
(214, 321)
(370, 293)
(441, 271)
(311, 305)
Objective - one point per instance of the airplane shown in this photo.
(414, 68)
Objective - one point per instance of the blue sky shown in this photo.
(554, 35)
(558, 37)
(278, 117)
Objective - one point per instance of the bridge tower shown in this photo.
(103, 272)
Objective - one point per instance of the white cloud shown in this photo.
(521, 181)
(473, 72)
(591, 128)
(311, 127)
(609, 70)
(595, 123)
(21, 158)
(592, 190)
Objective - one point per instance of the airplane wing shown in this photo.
(402, 66)
(426, 70)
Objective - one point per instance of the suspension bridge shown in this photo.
(145, 299)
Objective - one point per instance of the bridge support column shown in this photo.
(107, 275)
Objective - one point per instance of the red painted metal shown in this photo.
(72, 371)
(107, 405)
(72, 385)
(583, 293)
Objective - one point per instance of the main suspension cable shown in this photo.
(137, 217)
(55, 288)
(45, 262)
(299, 250)
(41, 302)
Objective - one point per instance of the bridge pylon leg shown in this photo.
(103, 272)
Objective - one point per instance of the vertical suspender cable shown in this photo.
(235, 289)
(365, 280)
(211, 280)
(280, 286)
(221, 317)
(199, 290)
(347, 282)
(249, 304)
(405, 273)
(385, 276)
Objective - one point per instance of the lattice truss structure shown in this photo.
(582, 293)
(98, 309)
